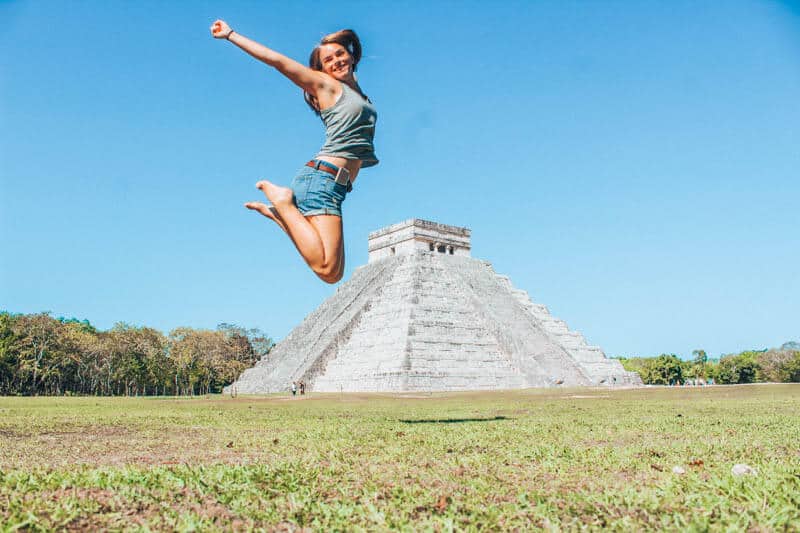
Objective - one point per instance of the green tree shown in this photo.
(632, 364)
(44, 361)
(741, 368)
(666, 369)
(699, 357)
(9, 359)
(770, 364)
(245, 347)
(194, 354)
(136, 356)
(790, 369)
(87, 352)
(44, 355)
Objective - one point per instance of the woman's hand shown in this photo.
(220, 29)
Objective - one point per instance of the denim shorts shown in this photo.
(317, 193)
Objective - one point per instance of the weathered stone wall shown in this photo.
(415, 235)
(420, 334)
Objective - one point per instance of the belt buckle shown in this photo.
(343, 176)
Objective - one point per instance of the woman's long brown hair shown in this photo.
(350, 41)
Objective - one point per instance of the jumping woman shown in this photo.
(310, 212)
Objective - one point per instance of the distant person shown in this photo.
(310, 212)
(294, 388)
(302, 388)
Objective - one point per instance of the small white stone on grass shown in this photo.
(678, 470)
(743, 470)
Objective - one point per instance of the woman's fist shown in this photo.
(220, 29)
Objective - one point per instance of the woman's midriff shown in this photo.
(353, 165)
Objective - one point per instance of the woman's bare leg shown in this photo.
(329, 229)
(318, 238)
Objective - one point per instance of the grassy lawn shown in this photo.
(565, 459)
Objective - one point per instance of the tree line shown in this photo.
(43, 355)
(772, 365)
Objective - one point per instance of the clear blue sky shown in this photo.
(632, 165)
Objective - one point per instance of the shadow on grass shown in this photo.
(453, 420)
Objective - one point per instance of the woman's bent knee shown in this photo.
(330, 278)
(329, 273)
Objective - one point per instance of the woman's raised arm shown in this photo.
(309, 80)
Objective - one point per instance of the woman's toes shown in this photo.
(261, 207)
(256, 206)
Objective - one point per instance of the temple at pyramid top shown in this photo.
(424, 315)
(416, 234)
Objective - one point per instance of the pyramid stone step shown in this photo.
(588, 354)
(522, 297)
(566, 338)
(539, 309)
(504, 281)
(554, 325)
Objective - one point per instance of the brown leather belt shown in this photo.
(324, 166)
(330, 168)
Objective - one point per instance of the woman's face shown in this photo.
(336, 61)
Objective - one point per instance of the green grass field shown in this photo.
(566, 459)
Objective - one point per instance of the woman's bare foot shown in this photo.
(279, 196)
(268, 211)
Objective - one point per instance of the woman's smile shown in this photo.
(336, 60)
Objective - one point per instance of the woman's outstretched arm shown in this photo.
(307, 79)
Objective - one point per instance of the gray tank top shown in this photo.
(350, 128)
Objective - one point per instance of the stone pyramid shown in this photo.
(423, 315)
